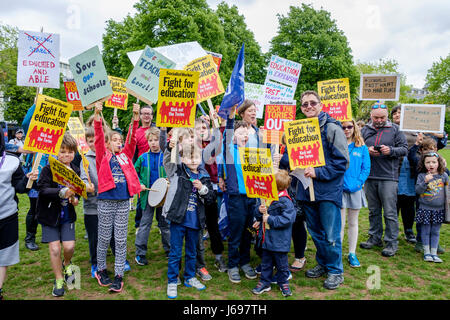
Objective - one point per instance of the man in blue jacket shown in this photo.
(323, 216)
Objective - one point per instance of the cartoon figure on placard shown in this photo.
(250, 184)
(268, 184)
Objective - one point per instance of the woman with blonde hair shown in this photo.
(353, 198)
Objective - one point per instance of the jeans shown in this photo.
(144, 230)
(268, 261)
(323, 220)
(178, 233)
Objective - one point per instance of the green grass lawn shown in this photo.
(405, 276)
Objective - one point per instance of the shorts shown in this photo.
(64, 232)
(9, 241)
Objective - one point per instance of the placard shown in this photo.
(48, 125)
(379, 87)
(335, 97)
(256, 93)
(119, 98)
(76, 129)
(275, 117)
(72, 95)
(38, 59)
(422, 117)
(217, 57)
(281, 79)
(89, 74)
(177, 98)
(65, 176)
(258, 172)
(304, 143)
(143, 81)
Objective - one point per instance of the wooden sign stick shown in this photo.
(211, 107)
(80, 114)
(173, 154)
(266, 225)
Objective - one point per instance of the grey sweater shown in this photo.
(432, 194)
(90, 204)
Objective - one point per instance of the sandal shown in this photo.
(302, 262)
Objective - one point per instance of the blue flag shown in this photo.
(235, 90)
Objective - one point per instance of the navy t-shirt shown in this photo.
(191, 216)
(120, 192)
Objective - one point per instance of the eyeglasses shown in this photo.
(347, 128)
(311, 103)
(376, 106)
(432, 154)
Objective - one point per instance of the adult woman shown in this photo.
(353, 196)
(247, 111)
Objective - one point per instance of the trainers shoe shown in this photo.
(233, 275)
(315, 272)
(93, 270)
(333, 281)
(260, 288)
(258, 269)
(389, 251)
(194, 283)
(69, 274)
(172, 290)
(410, 237)
(353, 260)
(249, 271)
(369, 244)
(220, 264)
(58, 288)
(436, 259)
(117, 284)
(428, 258)
(440, 250)
(204, 274)
(141, 260)
(418, 247)
(127, 266)
(300, 264)
(285, 290)
(102, 278)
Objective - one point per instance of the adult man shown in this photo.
(323, 217)
(387, 145)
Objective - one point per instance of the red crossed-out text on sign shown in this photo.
(40, 44)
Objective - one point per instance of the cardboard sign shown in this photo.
(119, 99)
(89, 74)
(177, 98)
(65, 176)
(72, 95)
(281, 79)
(304, 143)
(258, 173)
(48, 125)
(143, 81)
(422, 117)
(217, 57)
(76, 129)
(256, 93)
(38, 59)
(209, 83)
(274, 120)
(335, 97)
(379, 87)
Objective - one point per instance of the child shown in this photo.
(276, 241)
(56, 214)
(117, 183)
(190, 189)
(150, 168)
(430, 186)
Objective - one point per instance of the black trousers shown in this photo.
(299, 236)
(212, 224)
(406, 204)
(31, 219)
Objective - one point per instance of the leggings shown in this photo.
(352, 228)
(299, 237)
(430, 234)
(112, 213)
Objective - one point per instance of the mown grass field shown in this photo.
(402, 277)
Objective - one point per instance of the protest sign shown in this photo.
(422, 117)
(335, 97)
(119, 99)
(379, 87)
(258, 173)
(89, 74)
(177, 98)
(143, 81)
(274, 119)
(304, 143)
(65, 176)
(38, 59)
(281, 79)
(76, 129)
(256, 93)
(217, 57)
(209, 83)
(72, 95)
(47, 125)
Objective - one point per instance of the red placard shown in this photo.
(72, 95)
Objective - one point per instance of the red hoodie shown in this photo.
(103, 157)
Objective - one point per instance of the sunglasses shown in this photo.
(347, 128)
(432, 154)
(376, 106)
(311, 103)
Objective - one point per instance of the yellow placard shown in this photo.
(304, 143)
(76, 129)
(119, 98)
(177, 96)
(67, 177)
(47, 125)
(258, 173)
(335, 97)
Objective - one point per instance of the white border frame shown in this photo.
(442, 120)
(397, 91)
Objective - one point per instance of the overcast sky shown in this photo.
(416, 33)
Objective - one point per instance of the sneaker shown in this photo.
(316, 272)
(353, 260)
(436, 259)
(205, 236)
(172, 290)
(298, 264)
(285, 290)
(178, 281)
(117, 284)
(428, 258)
(410, 237)
(233, 275)
(249, 271)
(127, 266)
(69, 274)
(369, 244)
(260, 288)
(194, 283)
(93, 270)
(440, 250)
(274, 278)
(220, 264)
(58, 288)
(204, 274)
(418, 247)
(102, 278)
(333, 281)
(141, 260)
(86, 236)
(137, 230)
(390, 250)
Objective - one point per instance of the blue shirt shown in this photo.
(191, 216)
(120, 192)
